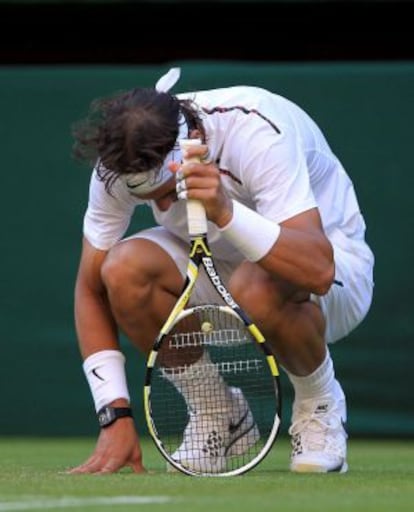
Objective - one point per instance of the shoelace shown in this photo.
(314, 429)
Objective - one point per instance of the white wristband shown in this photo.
(252, 234)
(105, 372)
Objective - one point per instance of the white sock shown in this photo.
(318, 383)
(201, 385)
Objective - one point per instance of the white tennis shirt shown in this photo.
(274, 159)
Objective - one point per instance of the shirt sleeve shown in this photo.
(107, 216)
(276, 174)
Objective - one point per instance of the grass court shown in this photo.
(32, 477)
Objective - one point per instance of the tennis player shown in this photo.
(286, 231)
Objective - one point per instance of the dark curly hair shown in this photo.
(131, 131)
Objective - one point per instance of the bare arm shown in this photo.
(302, 254)
(95, 325)
(118, 445)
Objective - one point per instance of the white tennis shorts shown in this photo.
(344, 306)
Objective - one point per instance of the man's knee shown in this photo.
(137, 266)
(128, 264)
(265, 298)
(256, 292)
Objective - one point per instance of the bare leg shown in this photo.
(295, 328)
(293, 325)
(143, 284)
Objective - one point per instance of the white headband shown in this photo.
(143, 183)
(167, 81)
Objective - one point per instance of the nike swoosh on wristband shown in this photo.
(97, 375)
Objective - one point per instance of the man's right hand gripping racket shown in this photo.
(212, 390)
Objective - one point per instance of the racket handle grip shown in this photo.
(196, 213)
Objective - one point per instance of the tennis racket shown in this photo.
(212, 390)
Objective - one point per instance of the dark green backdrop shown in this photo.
(367, 112)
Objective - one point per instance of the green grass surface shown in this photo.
(32, 477)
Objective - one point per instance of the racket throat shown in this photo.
(215, 280)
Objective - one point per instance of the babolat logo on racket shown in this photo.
(215, 279)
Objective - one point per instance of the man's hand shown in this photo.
(117, 447)
(202, 181)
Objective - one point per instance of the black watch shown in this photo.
(108, 415)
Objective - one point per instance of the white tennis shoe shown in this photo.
(209, 438)
(318, 435)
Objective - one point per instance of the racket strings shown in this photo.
(230, 367)
(216, 414)
(222, 336)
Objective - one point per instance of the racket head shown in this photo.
(212, 432)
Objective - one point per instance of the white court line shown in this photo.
(67, 502)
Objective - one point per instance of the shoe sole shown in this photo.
(313, 468)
